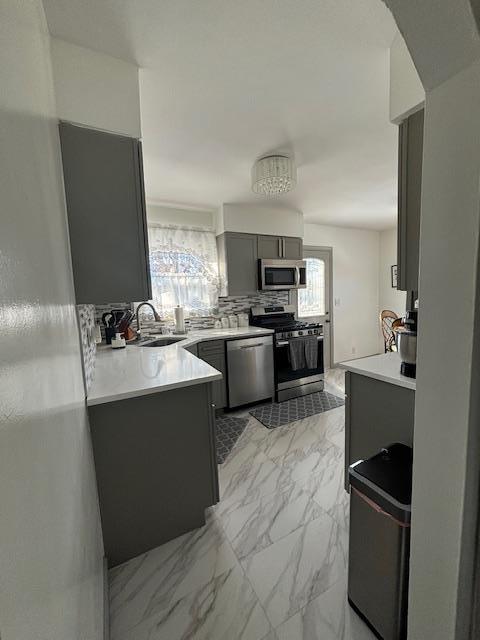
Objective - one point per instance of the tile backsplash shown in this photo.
(242, 304)
(86, 324)
(226, 306)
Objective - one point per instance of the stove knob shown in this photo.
(300, 333)
(310, 332)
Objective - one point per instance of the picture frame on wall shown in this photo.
(394, 275)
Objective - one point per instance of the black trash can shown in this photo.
(379, 545)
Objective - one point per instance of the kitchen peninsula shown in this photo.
(379, 406)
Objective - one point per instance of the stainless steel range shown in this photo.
(298, 351)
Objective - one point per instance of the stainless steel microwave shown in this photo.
(282, 274)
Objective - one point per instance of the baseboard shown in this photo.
(106, 602)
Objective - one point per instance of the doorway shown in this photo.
(314, 303)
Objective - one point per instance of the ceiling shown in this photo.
(226, 81)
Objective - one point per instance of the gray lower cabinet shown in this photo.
(103, 175)
(377, 414)
(192, 349)
(410, 154)
(237, 257)
(156, 468)
(213, 352)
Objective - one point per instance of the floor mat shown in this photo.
(278, 414)
(229, 429)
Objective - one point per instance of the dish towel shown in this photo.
(303, 353)
(311, 352)
(296, 348)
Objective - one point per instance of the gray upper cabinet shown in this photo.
(269, 246)
(293, 248)
(279, 247)
(410, 150)
(105, 196)
(237, 256)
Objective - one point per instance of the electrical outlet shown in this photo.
(337, 302)
(354, 350)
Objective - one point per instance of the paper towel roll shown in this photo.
(179, 320)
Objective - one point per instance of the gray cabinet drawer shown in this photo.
(210, 347)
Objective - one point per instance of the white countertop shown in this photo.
(385, 367)
(137, 371)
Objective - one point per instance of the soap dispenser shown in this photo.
(118, 342)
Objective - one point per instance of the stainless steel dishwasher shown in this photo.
(250, 370)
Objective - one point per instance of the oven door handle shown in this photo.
(283, 343)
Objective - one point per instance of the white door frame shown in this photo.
(294, 299)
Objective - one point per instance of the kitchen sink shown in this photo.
(161, 342)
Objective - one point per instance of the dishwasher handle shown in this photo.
(253, 346)
(249, 343)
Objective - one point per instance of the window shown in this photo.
(311, 301)
(184, 270)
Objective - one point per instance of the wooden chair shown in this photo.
(387, 318)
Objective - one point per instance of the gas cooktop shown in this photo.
(282, 320)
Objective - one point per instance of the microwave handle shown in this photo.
(297, 279)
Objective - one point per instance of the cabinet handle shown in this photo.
(283, 248)
(280, 247)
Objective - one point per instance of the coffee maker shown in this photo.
(407, 344)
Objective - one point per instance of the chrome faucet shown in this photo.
(155, 314)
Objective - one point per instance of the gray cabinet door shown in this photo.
(410, 151)
(270, 247)
(377, 414)
(293, 248)
(237, 253)
(104, 190)
(213, 352)
(156, 468)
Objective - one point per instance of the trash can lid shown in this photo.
(387, 478)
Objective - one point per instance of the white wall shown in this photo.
(355, 287)
(406, 89)
(50, 537)
(268, 219)
(190, 217)
(95, 89)
(389, 298)
(445, 490)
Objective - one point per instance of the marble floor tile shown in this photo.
(295, 436)
(253, 526)
(326, 486)
(335, 381)
(328, 617)
(244, 455)
(314, 459)
(225, 608)
(154, 581)
(295, 569)
(251, 481)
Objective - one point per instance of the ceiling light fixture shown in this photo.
(273, 175)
